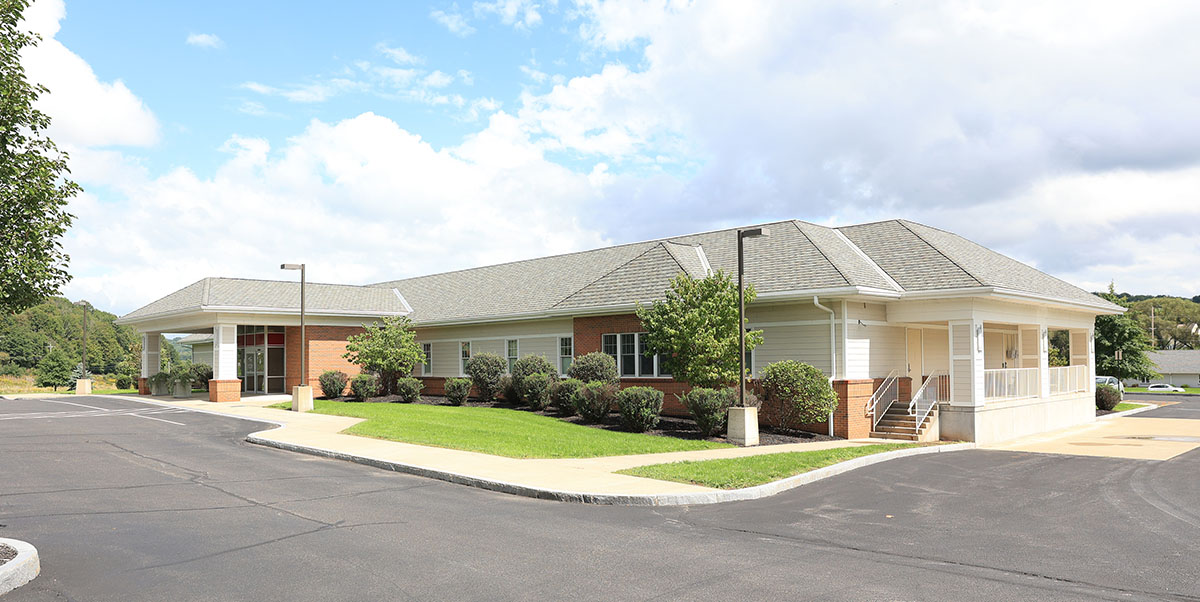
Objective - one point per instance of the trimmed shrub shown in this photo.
(201, 374)
(364, 386)
(535, 389)
(594, 366)
(124, 381)
(799, 392)
(409, 389)
(562, 392)
(709, 408)
(333, 383)
(594, 400)
(639, 407)
(1107, 397)
(457, 390)
(486, 370)
(508, 389)
(531, 364)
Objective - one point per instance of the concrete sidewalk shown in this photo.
(590, 480)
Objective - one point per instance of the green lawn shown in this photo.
(1193, 390)
(1125, 405)
(735, 473)
(114, 391)
(512, 433)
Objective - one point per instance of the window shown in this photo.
(427, 363)
(513, 348)
(566, 353)
(466, 355)
(633, 355)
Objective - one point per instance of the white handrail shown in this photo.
(927, 397)
(1068, 379)
(1010, 383)
(891, 383)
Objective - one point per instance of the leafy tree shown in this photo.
(696, 325)
(34, 191)
(1122, 332)
(390, 349)
(55, 370)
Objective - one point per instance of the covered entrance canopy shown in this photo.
(255, 330)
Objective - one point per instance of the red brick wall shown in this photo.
(224, 390)
(326, 344)
(589, 332)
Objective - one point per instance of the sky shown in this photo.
(384, 140)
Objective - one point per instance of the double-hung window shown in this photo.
(427, 363)
(633, 355)
(466, 355)
(511, 347)
(566, 354)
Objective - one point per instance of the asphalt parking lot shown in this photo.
(126, 501)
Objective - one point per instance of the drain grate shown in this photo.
(1179, 438)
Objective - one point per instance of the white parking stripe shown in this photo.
(76, 404)
(94, 412)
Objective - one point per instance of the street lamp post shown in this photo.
(302, 393)
(84, 385)
(742, 235)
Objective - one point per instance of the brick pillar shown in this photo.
(143, 387)
(850, 420)
(225, 390)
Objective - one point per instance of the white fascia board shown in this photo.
(285, 311)
(1014, 295)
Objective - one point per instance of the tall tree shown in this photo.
(34, 191)
(55, 370)
(390, 350)
(696, 326)
(1121, 331)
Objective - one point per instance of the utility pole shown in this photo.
(1153, 339)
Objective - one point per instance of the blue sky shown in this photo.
(381, 140)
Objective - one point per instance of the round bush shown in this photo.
(536, 390)
(409, 389)
(594, 366)
(563, 394)
(333, 383)
(709, 408)
(457, 390)
(530, 364)
(1107, 397)
(201, 374)
(486, 370)
(639, 408)
(594, 400)
(799, 392)
(364, 386)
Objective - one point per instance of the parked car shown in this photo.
(1112, 381)
(1165, 388)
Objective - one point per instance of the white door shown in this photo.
(915, 356)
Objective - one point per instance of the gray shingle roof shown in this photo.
(274, 294)
(194, 339)
(1177, 361)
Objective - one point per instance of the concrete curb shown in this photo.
(19, 570)
(1147, 408)
(606, 499)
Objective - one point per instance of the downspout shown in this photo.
(832, 350)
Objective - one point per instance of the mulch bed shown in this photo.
(7, 553)
(668, 426)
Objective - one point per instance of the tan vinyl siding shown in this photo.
(202, 353)
(790, 312)
(808, 344)
(546, 347)
(874, 351)
(493, 346)
(937, 350)
(866, 311)
(446, 359)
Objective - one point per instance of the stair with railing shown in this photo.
(912, 420)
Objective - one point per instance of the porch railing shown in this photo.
(1068, 379)
(935, 388)
(1010, 383)
(884, 397)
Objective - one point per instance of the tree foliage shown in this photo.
(34, 191)
(696, 326)
(1122, 332)
(55, 370)
(389, 349)
(26, 337)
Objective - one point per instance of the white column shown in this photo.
(966, 363)
(150, 353)
(1043, 360)
(225, 352)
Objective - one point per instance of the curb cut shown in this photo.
(610, 499)
(19, 570)
(715, 496)
(1146, 408)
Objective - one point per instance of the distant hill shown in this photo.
(1176, 320)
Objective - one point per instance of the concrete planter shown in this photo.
(302, 399)
(83, 386)
(743, 426)
(159, 389)
(181, 390)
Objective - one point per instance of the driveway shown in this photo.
(132, 502)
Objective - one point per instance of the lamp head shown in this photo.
(290, 266)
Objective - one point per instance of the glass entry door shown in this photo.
(255, 365)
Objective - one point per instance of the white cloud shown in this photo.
(204, 40)
(453, 21)
(311, 92)
(84, 110)
(437, 79)
(465, 77)
(521, 13)
(399, 55)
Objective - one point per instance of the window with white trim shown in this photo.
(512, 348)
(427, 354)
(466, 355)
(633, 355)
(566, 354)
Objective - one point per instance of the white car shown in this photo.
(1165, 388)
(1112, 382)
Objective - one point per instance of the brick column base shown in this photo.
(143, 387)
(224, 390)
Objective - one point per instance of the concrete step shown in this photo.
(890, 435)
(903, 423)
(897, 429)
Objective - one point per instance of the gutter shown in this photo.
(832, 350)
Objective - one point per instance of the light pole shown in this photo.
(302, 396)
(741, 236)
(82, 388)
